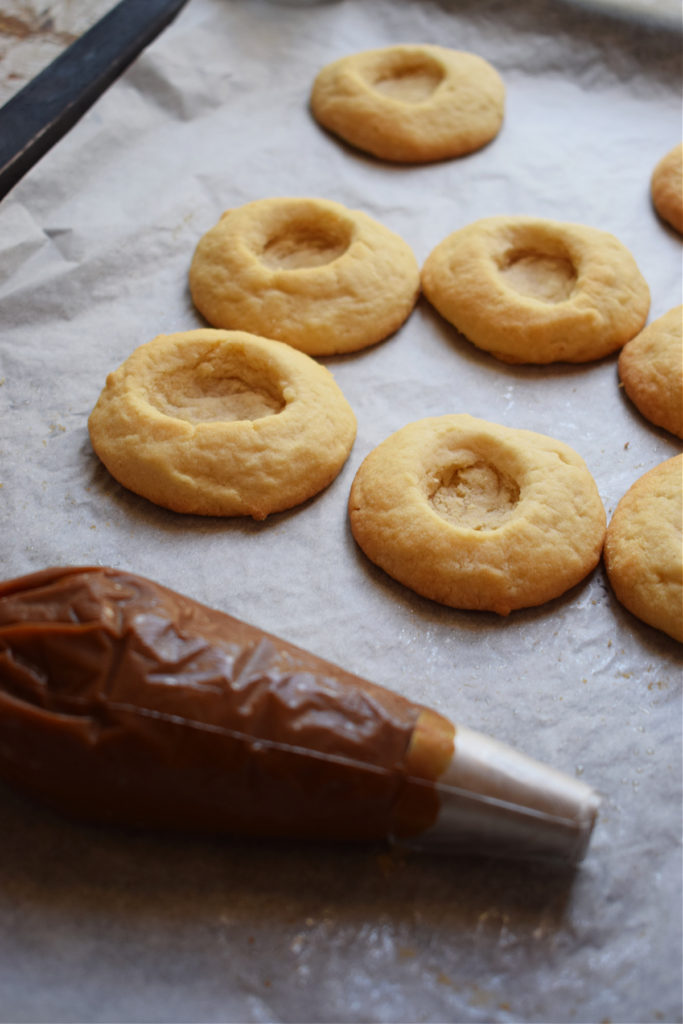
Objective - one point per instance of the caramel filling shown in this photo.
(123, 701)
(409, 79)
(478, 496)
(538, 275)
(206, 393)
(306, 242)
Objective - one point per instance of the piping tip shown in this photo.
(495, 799)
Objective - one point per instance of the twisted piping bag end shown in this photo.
(495, 800)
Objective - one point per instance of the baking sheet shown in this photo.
(94, 249)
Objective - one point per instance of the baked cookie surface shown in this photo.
(644, 548)
(666, 188)
(531, 290)
(651, 370)
(309, 272)
(410, 103)
(222, 423)
(476, 515)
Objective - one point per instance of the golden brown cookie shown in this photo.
(410, 103)
(666, 187)
(531, 290)
(309, 272)
(222, 423)
(651, 370)
(644, 548)
(476, 515)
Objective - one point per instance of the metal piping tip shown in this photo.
(497, 800)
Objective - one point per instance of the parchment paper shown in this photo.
(94, 249)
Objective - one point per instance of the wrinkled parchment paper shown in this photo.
(94, 249)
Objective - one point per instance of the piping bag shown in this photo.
(124, 702)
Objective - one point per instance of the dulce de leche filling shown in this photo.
(123, 701)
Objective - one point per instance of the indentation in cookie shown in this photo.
(548, 277)
(410, 78)
(478, 496)
(306, 242)
(206, 393)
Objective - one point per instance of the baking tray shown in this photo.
(95, 244)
